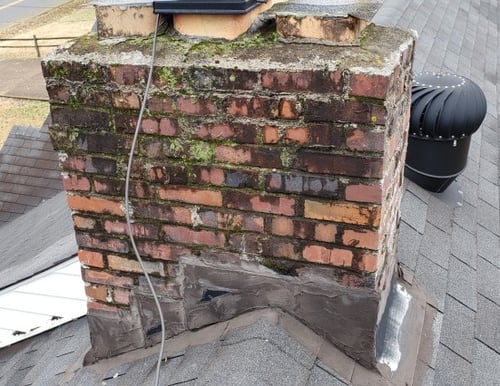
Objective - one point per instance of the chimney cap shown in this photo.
(204, 7)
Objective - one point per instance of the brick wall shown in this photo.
(286, 158)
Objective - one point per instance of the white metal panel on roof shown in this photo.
(42, 302)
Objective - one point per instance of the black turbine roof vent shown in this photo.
(221, 7)
(445, 106)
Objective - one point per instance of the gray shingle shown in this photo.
(435, 245)
(462, 283)
(434, 279)
(414, 211)
(488, 245)
(320, 377)
(408, 243)
(458, 328)
(451, 369)
(486, 366)
(487, 323)
(488, 192)
(488, 217)
(463, 246)
(489, 280)
(439, 213)
(466, 217)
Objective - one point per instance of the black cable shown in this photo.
(127, 203)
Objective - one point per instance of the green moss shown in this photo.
(201, 151)
(283, 267)
(167, 77)
(217, 48)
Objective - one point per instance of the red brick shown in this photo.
(342, 212)
(365, 140)
(95, 205)
(249, 155)
(193, 106)
(191, 196)
(341, 164)
(128, 75)
(189, 236)
(161, 251)
(369, 86)
(102, 277)
(212, 175)
(260, 203)
(76, 183)
(282, 226)
(368, 263)
(280, 248)
(256, 107)
(91, 259)
(326, 134)
(364, 193)
(163, 212)
(74, 163)
(121, 296)
(245, 243)
(168, 126)
(322, 255)
(149, 126)
(161, 104)
(361, 239)
(270, 134)
(83, 222)
(97, 292)
(310, 81)
(215, 132)
(325, 232)
(298, 135)
(147, 231)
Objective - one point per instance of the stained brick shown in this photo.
(95, 205)
(119, 263)
(162, 251)
(341, 164)
(126, 100)
(332, 256)
(97, 292)
(361, 239)
(259, 203)
(106, 278)
(303, 184)
(298, 135)
(189, 236)
(275, 247)
(316, 81)
(256, 107)
(128, 75)
(192, 196)
(84, 240)
(76, 183)
(84, 222)
(352, 111)
(80, 118)
(237, 132)
(195, 106)
(327, 134)
(288, 109)
(325, 232)
(342, 212)
(270, 134)
(161, 212)
(222, 79)
(248, 155)
(121, 296)
(364, 139)
(147, 231)
(100, 165)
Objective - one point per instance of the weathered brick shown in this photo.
(297, 135)
(99, 165)
(256, 107)
(341, 164)
(364, 193)
(310, 81)
(276, 247)
(260, 203)
(369, 85)
(189, 236)
(79, 118)
(91, 259)
(126, 100)
(161, 104)
(147, 231)
(121, 296)
(59, 93)
(97, 292)
(365, 139)
(84, 222)
(123, 264)
(168, 126)
(106, 278)
(162, 251)
(303, 184)
(222, 79)
(351, 111)
(237, 132)
(270, 134)
(195, 106)
(282, 226)
(191, 196)
(105, 143)
(94, 205)
(162, 212)
(325, 232)
(247, 155)
(167, 78)
(368, 262)
(361, 239)
(128, 75)
(333, 256)
(210, 175)
(72, 162)
(98, 306)
(245, 243)
(85, 240)
(76, 183)
(342, 212)
(288, 109)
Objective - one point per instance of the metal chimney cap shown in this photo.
(212, 7)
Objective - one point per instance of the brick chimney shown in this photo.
(268, 173)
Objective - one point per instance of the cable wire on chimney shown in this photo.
(127, 202)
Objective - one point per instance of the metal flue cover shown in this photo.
(445, 106)
(209, 7)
